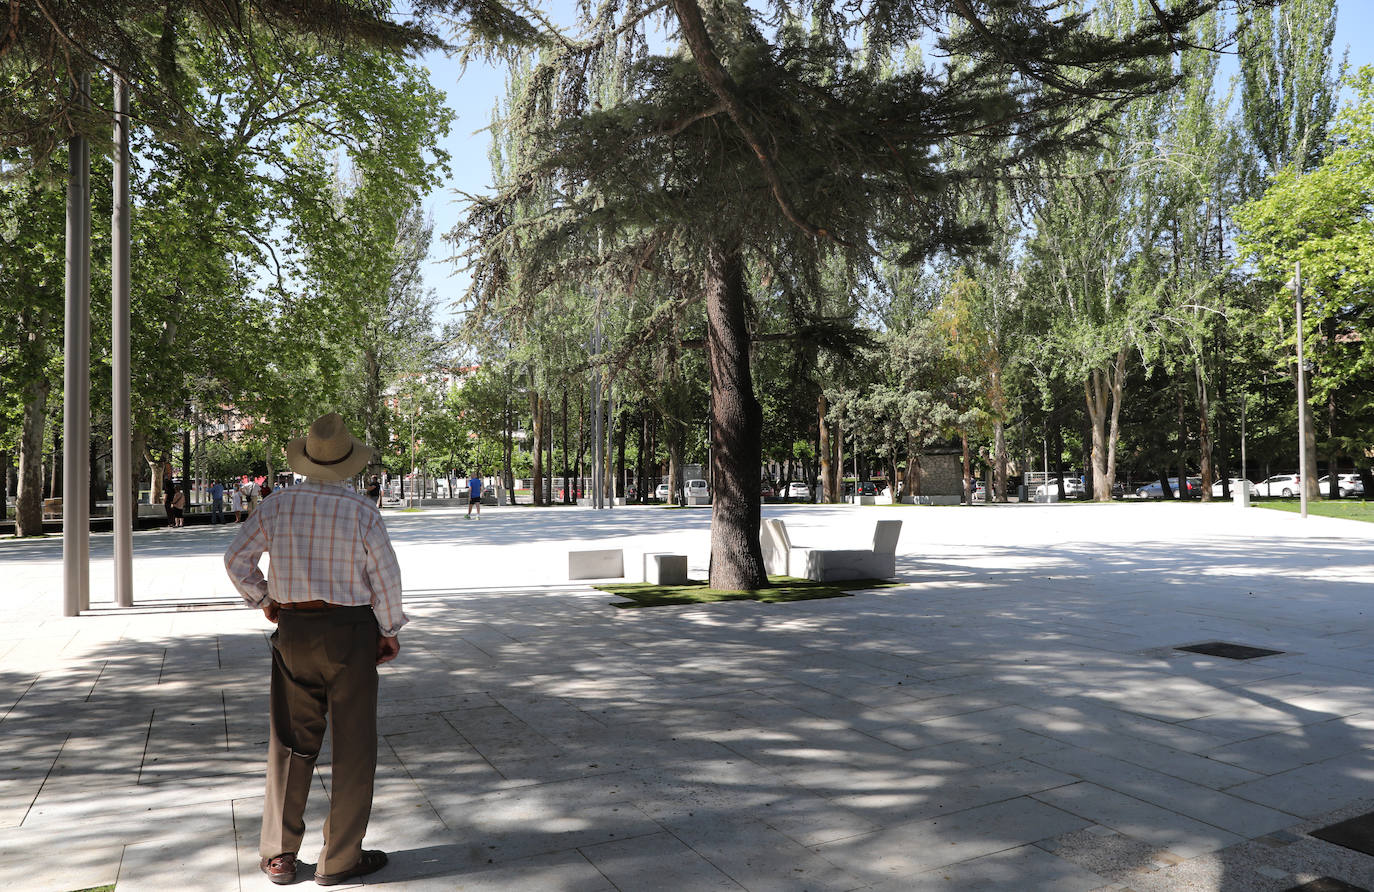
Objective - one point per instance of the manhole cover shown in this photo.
(1355, 833)
(1229, 651)
(1327, 884)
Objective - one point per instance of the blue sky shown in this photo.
(473, 92)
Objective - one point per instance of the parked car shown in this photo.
(661, 492)
(1285, 485)
(1347, 485)
(698, 489)
(1155, 491)
(798, 490)
(766, 490)
(1073, 488)
(1236, 483)
(866, 488)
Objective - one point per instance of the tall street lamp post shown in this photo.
(1296, 284)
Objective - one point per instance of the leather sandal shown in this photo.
(280, 869)
(371, 862)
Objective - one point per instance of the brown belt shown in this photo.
(306, 605)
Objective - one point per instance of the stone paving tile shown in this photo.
(188, 848)
(434, 869)
(86, 859)
(911, 848)
(539, 820)
(1135, 818)
(1026, 867)
(758, 857)
(23, 771)
(1239, 816)
(1285, 750)
(900, 796)
(1310, 790)
(685, 720)
(657, 861)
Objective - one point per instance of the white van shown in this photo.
(698, 488)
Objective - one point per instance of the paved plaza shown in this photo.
(1015, 716)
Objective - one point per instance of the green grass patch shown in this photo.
(780, 589)
(1347, 509)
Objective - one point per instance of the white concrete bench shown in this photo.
(782, 557)
(664, 568)
(602, 563)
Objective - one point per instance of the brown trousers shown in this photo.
(324, 671)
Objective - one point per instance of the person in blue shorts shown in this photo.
(475, 494)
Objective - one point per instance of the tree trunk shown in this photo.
(137, 450)
(99, 473)
(618, 490)
(582, 419)
(29, 503)
(567, 484)
(1184, 490)
(1095, 391)
(5, 465)
(1058, 455)
(999, 461)
(55, 475)
(1333, 461)
(736, 428)
(548, 438)
(1204, 434)
(824, 450)
(1309, 472)
(374, 419)
(674, 459)
(1118, 387)
(537, 447)
(966, 496)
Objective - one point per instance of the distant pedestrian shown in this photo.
(178, 508)
(250, 495)
(236, 502)
(334, 591)
(265, 490)
(475, 495)
(374, 490)
(217, 502)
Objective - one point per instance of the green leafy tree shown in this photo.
(1321, 218)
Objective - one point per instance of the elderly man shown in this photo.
(334, 591)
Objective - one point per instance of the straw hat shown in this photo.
(328, 451)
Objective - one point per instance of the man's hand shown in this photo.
(387, 649)
(271, 609)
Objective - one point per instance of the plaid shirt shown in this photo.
(326, 543)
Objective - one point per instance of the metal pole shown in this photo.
(1302, 395)
(1244, 476)
(610, 444)
(76, 420)
(121, 431)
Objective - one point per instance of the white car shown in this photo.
(1236, 483)
(1285, 485)
(1073, 488)
(798, 490)
(1347, 485)
(661, 492)
(698, 488)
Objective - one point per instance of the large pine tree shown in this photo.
(769, 138)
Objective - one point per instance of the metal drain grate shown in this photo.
(1354, 833)
(1229, 651)
(1327, 884)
